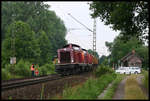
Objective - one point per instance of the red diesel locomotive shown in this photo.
(72, 59)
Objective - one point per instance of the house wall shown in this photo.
(134, 61)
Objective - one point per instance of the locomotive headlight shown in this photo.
(72, 60)
(58, 61)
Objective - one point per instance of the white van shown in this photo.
(121, 70)
(128, 70)
(135, 70)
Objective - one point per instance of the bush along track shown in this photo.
(90, 89)
(22, 70)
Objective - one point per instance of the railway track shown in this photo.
(15, 83)
(50, 88)
(29, 81)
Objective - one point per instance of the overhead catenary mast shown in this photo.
(13, 58)
(13, 53)
(94, 31)
(94, 36)
(80, 23)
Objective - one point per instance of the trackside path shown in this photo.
(139, 80)
(119, 94)
(120, 91)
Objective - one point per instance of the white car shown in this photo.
(135, 70)
(128, 70)
(121, 70)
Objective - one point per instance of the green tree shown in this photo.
(95, 53)
(46, 49)
(24, 11)
(102, 58)
(26, 45)
(39, 17)
(131, 18)
(119, 48)
(142, 51)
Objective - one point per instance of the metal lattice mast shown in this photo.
(13, 58)
(13, 43)
(94, 32)
(94, 36)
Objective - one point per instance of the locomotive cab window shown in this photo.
(65, 57)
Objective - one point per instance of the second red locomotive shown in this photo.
(72, 59)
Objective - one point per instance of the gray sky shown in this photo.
(83, 37)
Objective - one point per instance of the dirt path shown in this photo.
(119, 94)
(139, 80)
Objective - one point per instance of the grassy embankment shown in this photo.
(132, 89)
(90, 90)
(92, 87)
(145, 80)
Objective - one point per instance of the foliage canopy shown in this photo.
(131, 18)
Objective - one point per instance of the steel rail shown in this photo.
(7, 86)
(28, 82)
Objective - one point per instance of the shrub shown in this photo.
(5, 74)
(22, 68)
(52, 69)
(9, 68)
(42, 70)
(47, 69)
(103, 70)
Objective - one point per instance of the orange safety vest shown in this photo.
(32, 69)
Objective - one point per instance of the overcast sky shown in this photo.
(83, 37)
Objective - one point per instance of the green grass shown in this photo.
(90, 89)
(132, 89)
(145, 80)
(6, 75)
(42, 92)
(110, 92)
(9, 98)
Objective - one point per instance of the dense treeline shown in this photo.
(131, 19)
(36, 31)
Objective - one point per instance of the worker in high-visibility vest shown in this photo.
(36, 72)
(32, 69)
(55, 61)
